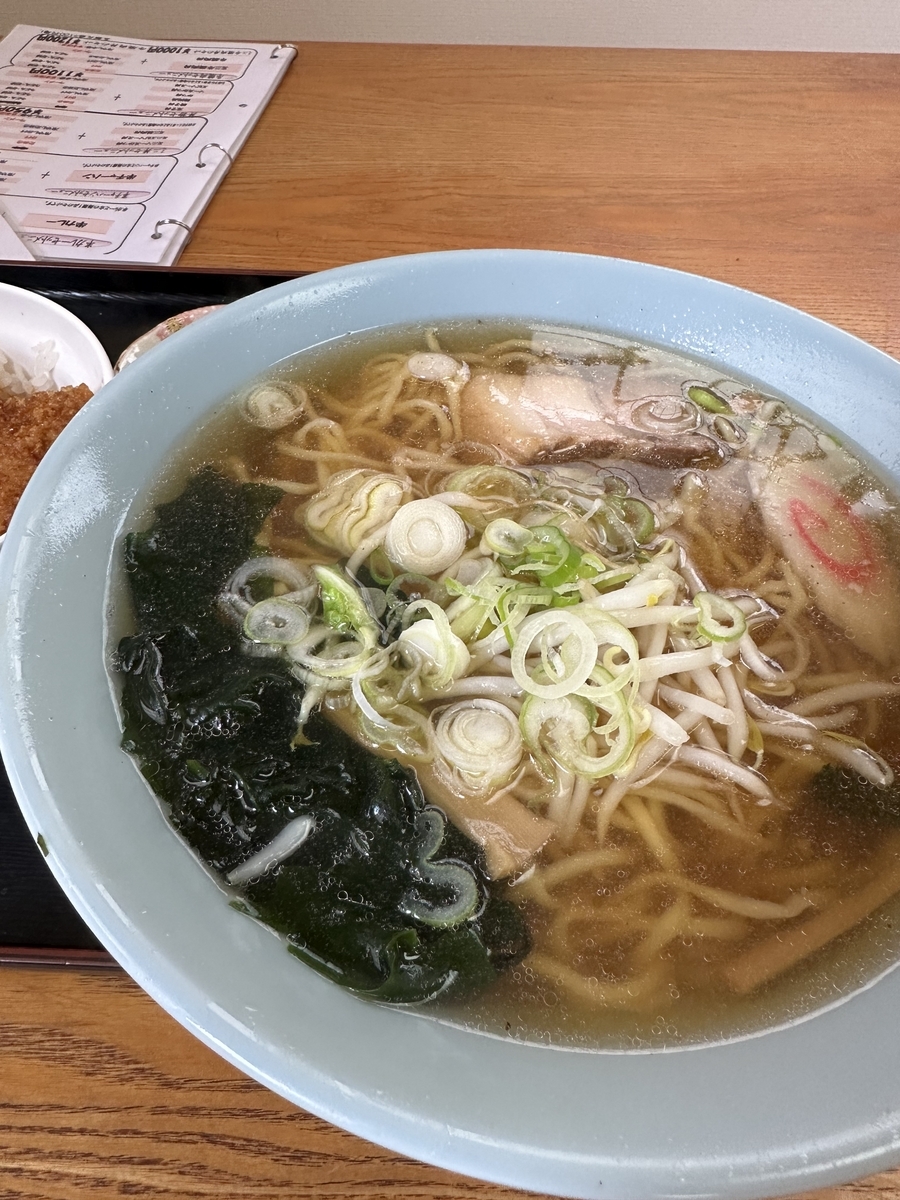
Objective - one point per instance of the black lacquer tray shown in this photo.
(37, 923)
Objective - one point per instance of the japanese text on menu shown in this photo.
(95, 133)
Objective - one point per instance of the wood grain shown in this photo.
(776, 172)
(102, 1094)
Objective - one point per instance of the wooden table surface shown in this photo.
(777, 173)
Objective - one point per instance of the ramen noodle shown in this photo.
(606, 642)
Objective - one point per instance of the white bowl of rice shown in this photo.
(43, 346)
(49, 362)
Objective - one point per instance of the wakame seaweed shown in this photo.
(212, 728)
(177, 568)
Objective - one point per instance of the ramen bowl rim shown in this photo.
(817, 1102)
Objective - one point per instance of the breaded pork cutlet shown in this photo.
(28, 426)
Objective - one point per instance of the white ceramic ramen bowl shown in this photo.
(811, 1104)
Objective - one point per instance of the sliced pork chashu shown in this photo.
(548, 417)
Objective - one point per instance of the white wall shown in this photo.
(852, 25)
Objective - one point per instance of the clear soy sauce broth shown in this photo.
(599, 931)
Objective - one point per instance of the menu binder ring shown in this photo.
(280, 46)
(213, 146)
(156, 235)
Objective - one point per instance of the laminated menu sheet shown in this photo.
(110, 148)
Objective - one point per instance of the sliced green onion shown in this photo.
(425, 536)
(612, 676)
(449, 876)
(614, 485)
(343, 608)
(381, 717)
(720, 619)
(564, 599)
(549, 544)
(476, 603)
(469, 613)
(567, 569)
(479, 740)
(489, 482)
(238, 594)
(614, 578)
(353, 506)
(640, 519)
(275, 406)
(443, 656)
(471, 624)
(380, 567)
(591, 567)
(364, 702)
(728, 430)
(704, 397)
(430, 827)
(548, 554)
(552, 555)
(506, 538)
(276, 622)
(568, 653)
(338, 661)
(410, 737)
(566, 730)
(452, 877)
(515, 604)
